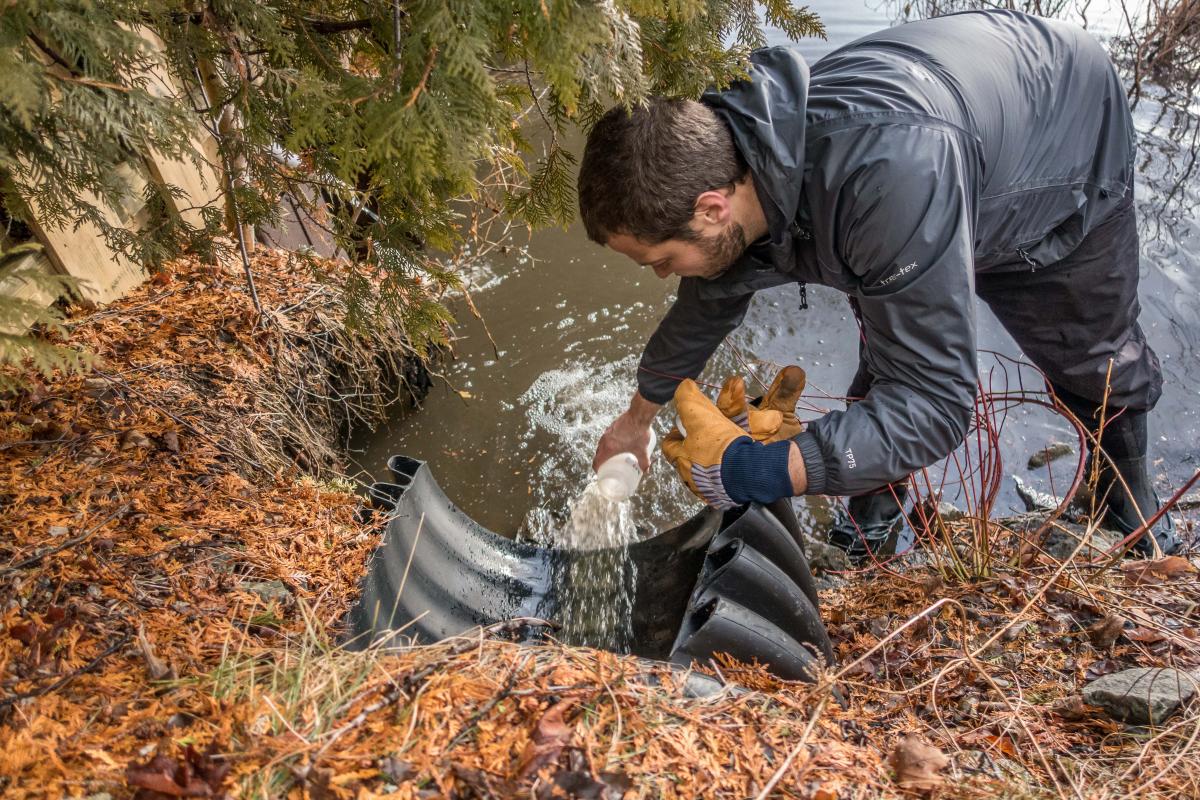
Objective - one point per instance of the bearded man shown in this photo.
(984, 153)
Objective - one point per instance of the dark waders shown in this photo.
(1071, 319)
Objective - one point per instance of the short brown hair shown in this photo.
(644, 168)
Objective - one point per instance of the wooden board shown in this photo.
(198, 178)
(27, 290)
(79, 249)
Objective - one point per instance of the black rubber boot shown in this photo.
(872, 520)
(1121, 507)
(1125, 441)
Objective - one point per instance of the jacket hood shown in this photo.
(767, 116)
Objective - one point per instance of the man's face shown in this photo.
(704, 257)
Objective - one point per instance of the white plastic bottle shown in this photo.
(618, 477)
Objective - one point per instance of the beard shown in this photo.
(723, 250)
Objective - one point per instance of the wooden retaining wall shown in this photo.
(79, 250)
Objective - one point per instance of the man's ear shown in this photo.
(713, 209)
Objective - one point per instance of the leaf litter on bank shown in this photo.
(143, 644)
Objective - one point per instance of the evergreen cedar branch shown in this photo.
(404, 108)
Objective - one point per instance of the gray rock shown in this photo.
(950, 512)
(1064, 536)
(1051, 452)
(1034, 499)
(268, 590)
(927, 512)
(823, 557)
(697, 685)
(828, 581)
(58, 530)
(1142, 696)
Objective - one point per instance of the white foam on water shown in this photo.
(566, 412)
(577, 403)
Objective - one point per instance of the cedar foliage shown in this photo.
(378, 117)
(19, 314)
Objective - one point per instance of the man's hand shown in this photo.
(629, 433)
(782, 397)
(721, 464)
(698, 456)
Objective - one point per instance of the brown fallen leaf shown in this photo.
(317, 782)
(549, 738)
(396, 770)
(1104, 632)
(917, 763)
(157, 668)
(1157, 571)
(1144, 635)
(48, 431)
(167, 777)
(932, 585)
(132, 438)
(1003, 744)
(472, 783)
(1098, 669)
(580, 784)
(1072, 708)
(24, 632)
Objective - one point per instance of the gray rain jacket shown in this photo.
(908, 161)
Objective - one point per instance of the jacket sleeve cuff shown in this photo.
(814, 462)
(656, 389)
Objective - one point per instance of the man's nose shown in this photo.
(661, 270)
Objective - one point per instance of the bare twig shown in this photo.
(74, 540)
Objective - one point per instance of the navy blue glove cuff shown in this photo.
(753, 472)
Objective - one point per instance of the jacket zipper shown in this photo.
(1033, 265)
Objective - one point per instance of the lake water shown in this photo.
(510, 436)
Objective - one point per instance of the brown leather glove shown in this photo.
(783, 395)
(697, 456)
(785, 391)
